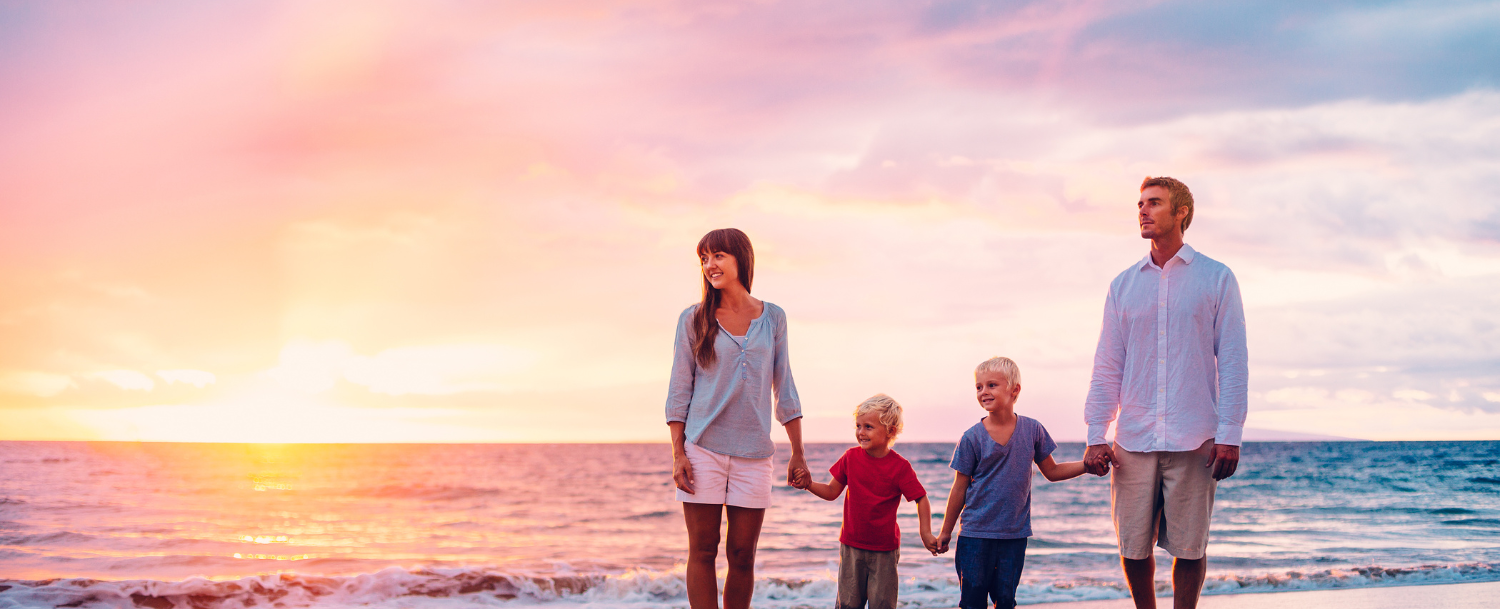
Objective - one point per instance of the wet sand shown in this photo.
(1482, 595)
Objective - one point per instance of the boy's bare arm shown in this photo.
(1054, 471)
(828, 492)
(950, 513)
(924, 522)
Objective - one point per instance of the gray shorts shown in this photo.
(867, 575)
(1162, 498)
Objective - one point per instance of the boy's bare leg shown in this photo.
(1140, 576)
(703, 549)
(744, 534)
(1187, 581)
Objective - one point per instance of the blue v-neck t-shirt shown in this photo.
(997, 504)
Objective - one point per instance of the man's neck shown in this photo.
(1163, 248)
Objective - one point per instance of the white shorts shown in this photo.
(725, 480)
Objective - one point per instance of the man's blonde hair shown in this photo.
(890, 412)
(1180, 195)
(1003, 365)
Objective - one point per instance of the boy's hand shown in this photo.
(930, 542)
(796, 472)
(1098, 459)
(942, 543)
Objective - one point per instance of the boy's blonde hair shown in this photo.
(1003, 365)
(890, 412)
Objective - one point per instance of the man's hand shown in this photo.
(796, 472)
(1223, 460)
(1098, 459)
(942, 543)
(682, 473)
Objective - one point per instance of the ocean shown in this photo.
(101, 524)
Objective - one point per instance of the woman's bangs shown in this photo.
(715, 241)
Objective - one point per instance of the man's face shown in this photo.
(1156, 217)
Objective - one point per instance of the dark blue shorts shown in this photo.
(989, 569)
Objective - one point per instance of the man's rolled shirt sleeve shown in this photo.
(1103, 402)
(1233, 359)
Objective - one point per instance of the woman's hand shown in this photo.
(682, 472)
(796, 472)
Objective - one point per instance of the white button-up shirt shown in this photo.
(1171, 362)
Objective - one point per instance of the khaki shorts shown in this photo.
(1162, 498)
(867, 576)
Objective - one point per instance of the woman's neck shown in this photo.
(735, 298)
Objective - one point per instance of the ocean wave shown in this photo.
(437, 587)
(50, 539)
(425, 492)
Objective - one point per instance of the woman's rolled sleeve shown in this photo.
(684, 367)
(788, 405)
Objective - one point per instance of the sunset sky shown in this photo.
(469, 221)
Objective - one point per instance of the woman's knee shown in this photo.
(703, 554)
(741, 556)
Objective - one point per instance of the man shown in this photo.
(1172, 365)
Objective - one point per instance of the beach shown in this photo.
(1478, 595)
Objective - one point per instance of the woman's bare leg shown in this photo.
(703, 521)
(744, 535)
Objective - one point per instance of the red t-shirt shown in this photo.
(875, 487)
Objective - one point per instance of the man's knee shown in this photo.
(1138, 565)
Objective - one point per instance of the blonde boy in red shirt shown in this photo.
(877, 478)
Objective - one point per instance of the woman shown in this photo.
(729, 372)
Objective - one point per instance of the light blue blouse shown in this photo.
(727, 406)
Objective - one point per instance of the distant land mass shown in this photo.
(1253, 434)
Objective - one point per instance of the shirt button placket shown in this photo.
(1161, 362)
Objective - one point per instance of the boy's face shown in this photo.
(995, 391)
(870, 432)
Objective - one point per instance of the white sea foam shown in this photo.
(448, 588)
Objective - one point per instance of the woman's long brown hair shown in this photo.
(736, 243)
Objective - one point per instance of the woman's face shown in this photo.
(721, 269)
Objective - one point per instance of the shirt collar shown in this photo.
(1186, 253)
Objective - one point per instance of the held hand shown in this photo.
(1223, 460)
(942, 543)
(682, 473)
(931, 543)
(796, 472)
(1098, 459)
